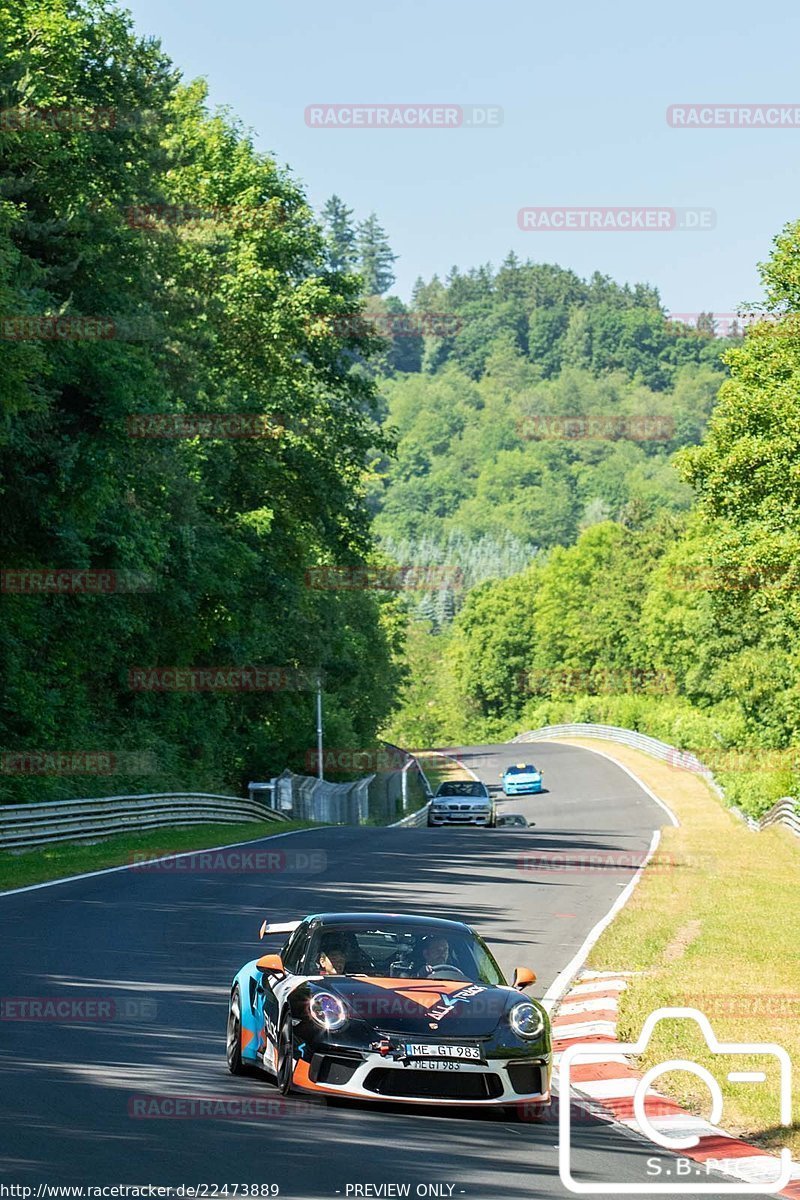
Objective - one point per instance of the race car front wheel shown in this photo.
(234, 1038)
(285, 1056)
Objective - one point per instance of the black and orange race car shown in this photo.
(387, 1007)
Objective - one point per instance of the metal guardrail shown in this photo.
(420, 817)
(420, 785)
(26, 825)
(783, 812)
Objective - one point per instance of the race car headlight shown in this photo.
(327, 1011)
(526, 1020)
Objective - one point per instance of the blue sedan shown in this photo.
(522, 779)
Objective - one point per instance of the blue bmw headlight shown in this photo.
(526, 1020)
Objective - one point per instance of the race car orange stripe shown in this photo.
(247, 1037)
(422, 991)
(301, 1078)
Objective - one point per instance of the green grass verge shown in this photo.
(710, 926)
(18, 869)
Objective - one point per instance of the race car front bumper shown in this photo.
(372, 1076)
(460, 816)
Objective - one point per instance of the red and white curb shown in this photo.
(588, 1013)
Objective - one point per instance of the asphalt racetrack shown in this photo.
(154, 951)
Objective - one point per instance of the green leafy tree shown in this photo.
(745, 476)
(223, 309)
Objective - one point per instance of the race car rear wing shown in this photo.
(285, 927)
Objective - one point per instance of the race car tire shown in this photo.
(233, 1045)
(286, 1056)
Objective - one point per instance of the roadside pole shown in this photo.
(319, 727)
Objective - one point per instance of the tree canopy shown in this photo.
(127, 206)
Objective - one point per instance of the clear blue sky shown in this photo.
(584, 88)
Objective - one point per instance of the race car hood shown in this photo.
(420, 1006)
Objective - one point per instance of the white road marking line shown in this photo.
(661, 803)
(565, 977)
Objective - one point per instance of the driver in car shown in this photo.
(340, 954)
(435, 952)
(332, 962)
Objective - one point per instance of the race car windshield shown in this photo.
(459, 787)
(395, 950)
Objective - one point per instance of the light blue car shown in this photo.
(522, 779)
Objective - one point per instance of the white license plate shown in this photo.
(438, 1051)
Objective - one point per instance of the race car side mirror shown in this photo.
(523, 978)
(272, 963)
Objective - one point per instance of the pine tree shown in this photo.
(375, 258)
(340, 234)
